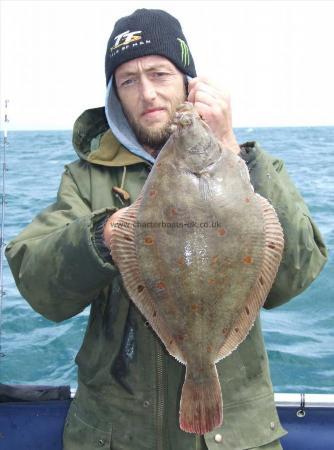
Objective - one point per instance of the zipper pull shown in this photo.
(121, 194)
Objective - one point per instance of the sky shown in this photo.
(274, 57)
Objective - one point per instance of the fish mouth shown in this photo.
(185, 115)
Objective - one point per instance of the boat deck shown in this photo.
(35, 425)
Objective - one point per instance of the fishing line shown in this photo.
(2, 227)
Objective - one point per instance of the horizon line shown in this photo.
(250, 127)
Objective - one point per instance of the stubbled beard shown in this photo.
(155, 139)
(152, 138)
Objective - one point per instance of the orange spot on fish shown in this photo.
(212, 281)
(247, 199)
(152, 193)
(179, 337)
(196, 308)
(271, 245)
(214, 260)
(154, 313)
(173, 211)
(236, 330)
(209, 348)
(172, 311)
(181, 261)
(160, 285)
(248, 260)
(247, 310)
(261, 281)
(221, 231)
(127, 238)
(225, 331)
(171, 341)
(148, 240)
(140, 288)
(158, 165)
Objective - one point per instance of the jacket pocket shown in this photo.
(80, 435)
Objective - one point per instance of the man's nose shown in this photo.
(147, 90)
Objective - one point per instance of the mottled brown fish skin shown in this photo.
(204, 251)
(204, 270)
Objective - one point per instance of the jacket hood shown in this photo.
(120, 126)
(94, 141)
(103, 135)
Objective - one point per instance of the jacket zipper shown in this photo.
(160, 396)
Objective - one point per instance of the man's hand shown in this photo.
(214, 106)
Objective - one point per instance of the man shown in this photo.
(129, 387)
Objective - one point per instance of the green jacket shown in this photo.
(129, 387)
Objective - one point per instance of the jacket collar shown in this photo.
(94, 141)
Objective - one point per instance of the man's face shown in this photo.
(150, 88)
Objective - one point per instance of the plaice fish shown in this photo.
(198, 252)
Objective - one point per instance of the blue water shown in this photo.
(299, 335)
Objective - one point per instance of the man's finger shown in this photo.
(204, 97)
(202, 89)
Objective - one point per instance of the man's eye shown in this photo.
(159, 75)
(127, 82)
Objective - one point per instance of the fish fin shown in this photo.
(123, 250)
(201, 405)
(272, 255)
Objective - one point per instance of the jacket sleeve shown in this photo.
(304, 250)
(55, 264)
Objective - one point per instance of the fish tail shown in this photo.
(201, 406)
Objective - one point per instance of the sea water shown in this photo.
(299, 335)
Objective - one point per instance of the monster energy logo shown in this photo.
(184, 52)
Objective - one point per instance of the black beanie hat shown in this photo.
(148, 32)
